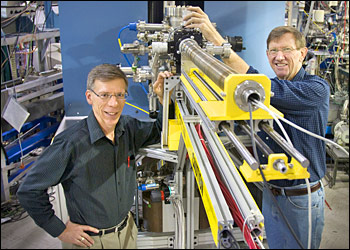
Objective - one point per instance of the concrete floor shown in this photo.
(24, 234)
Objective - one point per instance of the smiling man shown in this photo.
(94, 160)
(304, 100)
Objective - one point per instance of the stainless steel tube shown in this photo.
(284, 144)
(212, 67)
(242, 150)
(265, 149)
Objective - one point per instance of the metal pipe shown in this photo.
(265, 149)
(194, 86)
(306, 30)
(242, 150)
(212, 67)
(206, 84)
(279, 165)
(284, 144)
(127, 70)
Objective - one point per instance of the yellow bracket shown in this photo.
(174, 134)
(294, 170)
(228, 109)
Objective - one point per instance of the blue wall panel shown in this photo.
(253, 20)
(89, 31)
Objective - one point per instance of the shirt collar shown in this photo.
(300, 75)
(96, 132)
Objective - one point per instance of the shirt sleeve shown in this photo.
(46, 172)
(306, 94)
(147, 133)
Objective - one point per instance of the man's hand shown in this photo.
(198, 19)
(158, 86)
(75, 234)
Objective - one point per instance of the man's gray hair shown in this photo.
(105, 72)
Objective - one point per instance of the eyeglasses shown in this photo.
(285, 51)
(107, 96)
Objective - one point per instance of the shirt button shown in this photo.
(118, 182)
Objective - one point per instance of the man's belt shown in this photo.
(117, 228)
(294, 192)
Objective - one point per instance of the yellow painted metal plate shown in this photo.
(198, 175)
(174, 134)
(295, 172)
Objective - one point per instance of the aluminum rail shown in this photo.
(213, 198)
(284, 144)
(228, 171)
(206, 84)
(216, 70)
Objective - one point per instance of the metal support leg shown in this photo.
(189, 206)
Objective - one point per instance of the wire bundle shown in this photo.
(228, 197)
(12, 210)
(180, 225)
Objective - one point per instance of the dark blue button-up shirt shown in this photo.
(98, 177)
(305, 102)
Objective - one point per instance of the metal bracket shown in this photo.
(169, 84)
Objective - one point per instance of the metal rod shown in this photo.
(212, 67)
(279, 165)
(210, 88)
(194, 86)
(265, 149)
(284, 144)
(242, 150)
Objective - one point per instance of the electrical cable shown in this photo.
(262, 106)
(120, 44)
(304, 130)
(227, 195)
(137, 107)
(306, 180)
(14, 17)
(309, 213)
(12, 209)
(265, 182)
(279, 210)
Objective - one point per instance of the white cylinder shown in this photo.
(318, 16)
(159, 47)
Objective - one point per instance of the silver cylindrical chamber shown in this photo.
(247, 91)
(216, 70)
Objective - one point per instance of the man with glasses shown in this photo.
(304, 100)
(94, 160)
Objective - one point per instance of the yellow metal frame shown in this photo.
(294, 170)
(213, 221)
(228, 109)
(174, 134)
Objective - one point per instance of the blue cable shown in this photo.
(144, 89)
(119, 40)
(131, 26)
